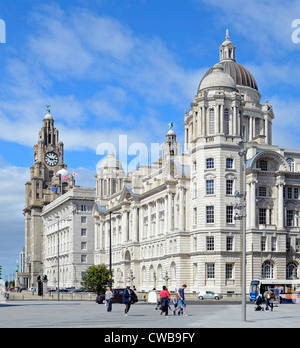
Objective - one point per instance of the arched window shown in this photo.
(291, 164)
(211, 121)
(144, 274)
(268, 270)
(292, 271)
(226, 121)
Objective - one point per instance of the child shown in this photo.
(175, 303)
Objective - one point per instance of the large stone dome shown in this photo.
(111, 162)
(240, 75)
(217, 78)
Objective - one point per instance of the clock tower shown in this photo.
(47, 183)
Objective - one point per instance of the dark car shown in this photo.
(118, 297)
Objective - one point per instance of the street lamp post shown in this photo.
(243, 154)
(166, 278)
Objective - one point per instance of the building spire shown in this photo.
(227, 35)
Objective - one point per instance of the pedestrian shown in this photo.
(272, 299)
(175, 303)
(181, 300)
(108, 298)
(267, 297)
(165, 297)
(127, 299)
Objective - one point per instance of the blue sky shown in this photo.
(111, 67)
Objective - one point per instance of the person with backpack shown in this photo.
(267, 298)
(272, 300)
(127, 299)
(165, 297)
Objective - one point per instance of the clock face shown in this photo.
(51, 159)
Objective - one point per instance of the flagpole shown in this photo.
(61, 185)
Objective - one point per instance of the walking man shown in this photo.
(127, 299)
(181, 300)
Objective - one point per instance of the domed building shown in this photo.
(180, 220)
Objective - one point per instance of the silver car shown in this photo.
(203, 295)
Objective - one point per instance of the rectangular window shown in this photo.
(290, 218)
(210, 271)
(296, 193)
(229, 187)
(83, 219)
(229, 243)
(83, 232)
(262, 216)
(263, 243)
(274, 244)
(210, 163)
(210, 190)
(210, 243)
(229, 271)
(83, 245)
(262, 165)
(83, 258)
(229, 214)
(229, 163)
(290, 193)
(195, 216)
(262, 191)
(210, 214)
(195, 190)
(195, 244)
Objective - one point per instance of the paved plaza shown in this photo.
(66, 314)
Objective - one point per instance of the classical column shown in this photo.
(204, 118)
(124, 226)
(170, 212)
(181, 217)
(218, 125)
(135, 224)
(222, 119)
(235, 126)
(280, 207)
(101, 235)
(157, 219)
(250, 128)
(267, 130)
(166, 217)
(253, 204)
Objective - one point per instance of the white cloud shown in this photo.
(12, 188)
(267, 22)
(73, 51)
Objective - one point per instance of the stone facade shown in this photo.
(69, 224)
(174, 221)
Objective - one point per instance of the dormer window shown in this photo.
(291, 164)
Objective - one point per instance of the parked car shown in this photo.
(203, 295)
(118, 297)
(76, 290)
